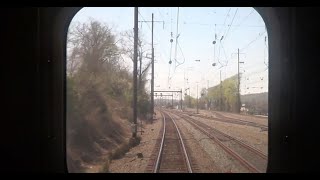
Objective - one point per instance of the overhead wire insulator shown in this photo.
(265, 39)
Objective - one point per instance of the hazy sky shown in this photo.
(241, 27)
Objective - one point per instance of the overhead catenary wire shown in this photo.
(177, 36)
(225, 36)
(255, 83)
(225, 55)
(264, 55)
(235, 26)
(155, 37)
(160, 13)
(171, 40)
(170, 62)
(214, 46)
(144, 20)
(184, 59)
(177, 63)
(158, 41)
(260, 70)
(228, 31)
(256, 75)
(222, 37)
(252, 75)
(229, 25)
(246, 46)
(260, 79)
(179, 55)
(225, 19)
(218, 59)
(243, 20)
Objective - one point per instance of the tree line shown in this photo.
(99, 89)
(224, 97)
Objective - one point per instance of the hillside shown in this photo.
(99, 98)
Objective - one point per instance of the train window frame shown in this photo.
(277, 59)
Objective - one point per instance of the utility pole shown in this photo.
(135, 61)
(140, 70)
(220, 102)
(152, 64)
(197, 100)
(189, 99)
(238, 95)
(181, 99)
(172, 100)
(239, 104)
(207, 106)
(152, 77)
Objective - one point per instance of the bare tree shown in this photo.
(126, 42)
(93, 47)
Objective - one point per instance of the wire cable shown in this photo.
(144, 20)
(184, 59)
(225, 36)
(225, 55)
(225, 19)
(245, 47)
(214, 46)
(243, 20)
(264, 54)
(177, 36)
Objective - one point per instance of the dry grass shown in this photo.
(124, 148)
(105, 167)
(119, 152)
(95, 133)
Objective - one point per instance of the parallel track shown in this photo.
(222, 118)
(251, 158)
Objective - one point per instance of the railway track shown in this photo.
(170, 155)
(222, 118)
(251, 158)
